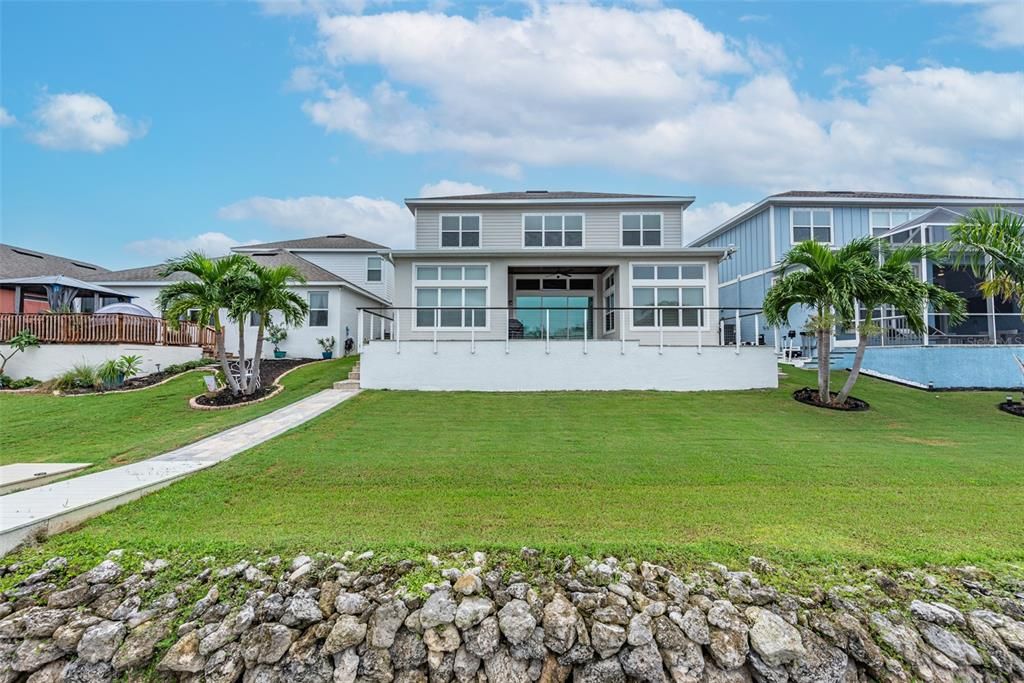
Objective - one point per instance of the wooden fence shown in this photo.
(105, 328)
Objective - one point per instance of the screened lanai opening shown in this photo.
(558, 303)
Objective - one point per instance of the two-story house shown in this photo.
(343, 273)
(976, 353)
(544, 290)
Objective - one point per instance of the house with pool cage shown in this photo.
(548, 290)
(980, 352)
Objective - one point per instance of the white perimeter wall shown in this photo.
(527, 367)
(49, 360)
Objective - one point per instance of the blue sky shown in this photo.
(132, 131)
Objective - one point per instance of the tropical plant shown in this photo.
(114, 372)
(991, 242)
(893, 282)
(18, 343)
(213, 285)
(264, 290)
(81, 376)
(23, 383)
(814, 275)
(327, 344)
(129, 365)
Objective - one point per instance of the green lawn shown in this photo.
(920, 478)
(118, 428)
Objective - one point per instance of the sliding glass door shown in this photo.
(565, 316)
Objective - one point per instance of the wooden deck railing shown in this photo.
(104, 328)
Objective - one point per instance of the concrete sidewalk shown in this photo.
(65, 504)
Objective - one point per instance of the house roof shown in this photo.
(841, 197)
(21, 262)
(57, 281)
(269, 258)
(340, 241)
(548, 197)
(846, 194)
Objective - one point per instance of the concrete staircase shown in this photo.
(353, 379)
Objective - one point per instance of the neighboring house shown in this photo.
(342, 272)
(21, 263)
(555, 290)
(761, 235)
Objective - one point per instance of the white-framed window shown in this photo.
(450, 296)
(609, 302)
(553, 230)
(883, 220)
(811, 224)
(318, 309)
(641, 229)
(460, 230)
(374, 268)
(668, 295)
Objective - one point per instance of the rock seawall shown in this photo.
(594, 621)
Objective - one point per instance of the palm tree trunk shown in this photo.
(824, 363)
(243, 383)
(858, 359)
(222, 354)
(257, 356)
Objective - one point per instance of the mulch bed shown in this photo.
(1016, 408)
(810, 397)
(270, 370)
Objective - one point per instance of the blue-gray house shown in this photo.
(980, 352)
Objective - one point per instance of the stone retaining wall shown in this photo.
(346, 620)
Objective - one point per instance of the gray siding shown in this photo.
(352, 267)
(502, 227)
(753, 247)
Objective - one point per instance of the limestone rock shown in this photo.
(482, 640)
(100, 642)
(729, 644)
(138, 647)
(643, 663)
(950, 644)
(774, 640)
(300, 611)
(607, 639)
(347, 632)
(384, 624)
(560, 619)
(516, 621)
(937, 613)
(437, 610)
(472, 610)
(600, 671)
(351, 603)
(184, 656)
(267, 643)
(465, 666)
(442, 638)
(408, 651)
(33, 654)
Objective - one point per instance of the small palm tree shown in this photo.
(826, 281)
(213, 286)
(265, 290)
(991, 242)
(893, 282)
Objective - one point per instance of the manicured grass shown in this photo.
(920, 478)
(118, 428)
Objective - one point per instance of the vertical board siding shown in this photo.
(753, 247)
(502, 227)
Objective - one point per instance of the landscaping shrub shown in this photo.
(188, 365)
(82, 376)
(7, 383)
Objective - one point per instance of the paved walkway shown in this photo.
(56, 507)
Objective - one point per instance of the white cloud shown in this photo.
(303, 79)
(448, 188)
(509, 93)
(754, 18)
(378, 220)
(1000, 23)
(82, 121)
(698, 220)
(6, 118)
(210, 243)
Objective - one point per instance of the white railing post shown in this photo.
(584, 331)
(757, 330)
(661, 330)
(622, 332)
(359, 332)
(437, 321)
(721, 331)
(398, 332)
(472, 337)
(547, 330)
(700, 332)
(737, 330)
(508, 322)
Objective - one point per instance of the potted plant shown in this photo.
(327, 346)
(277, 334)
(113, 373)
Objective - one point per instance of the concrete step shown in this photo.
(347, 384)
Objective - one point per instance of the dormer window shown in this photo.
(460, 230)
(641, 229)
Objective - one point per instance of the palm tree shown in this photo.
(211, 287)
(264, 290)
(892, 282)
(991, 242)
(826, 281)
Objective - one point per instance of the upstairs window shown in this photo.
(552, 230)
(641, 229)
(812, 224)
(882, 220)
(374, 269)
(460, 231)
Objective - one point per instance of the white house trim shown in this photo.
(831, 223)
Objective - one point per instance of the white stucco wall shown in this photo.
(528, 367)
(49, 360)
(301, 342)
